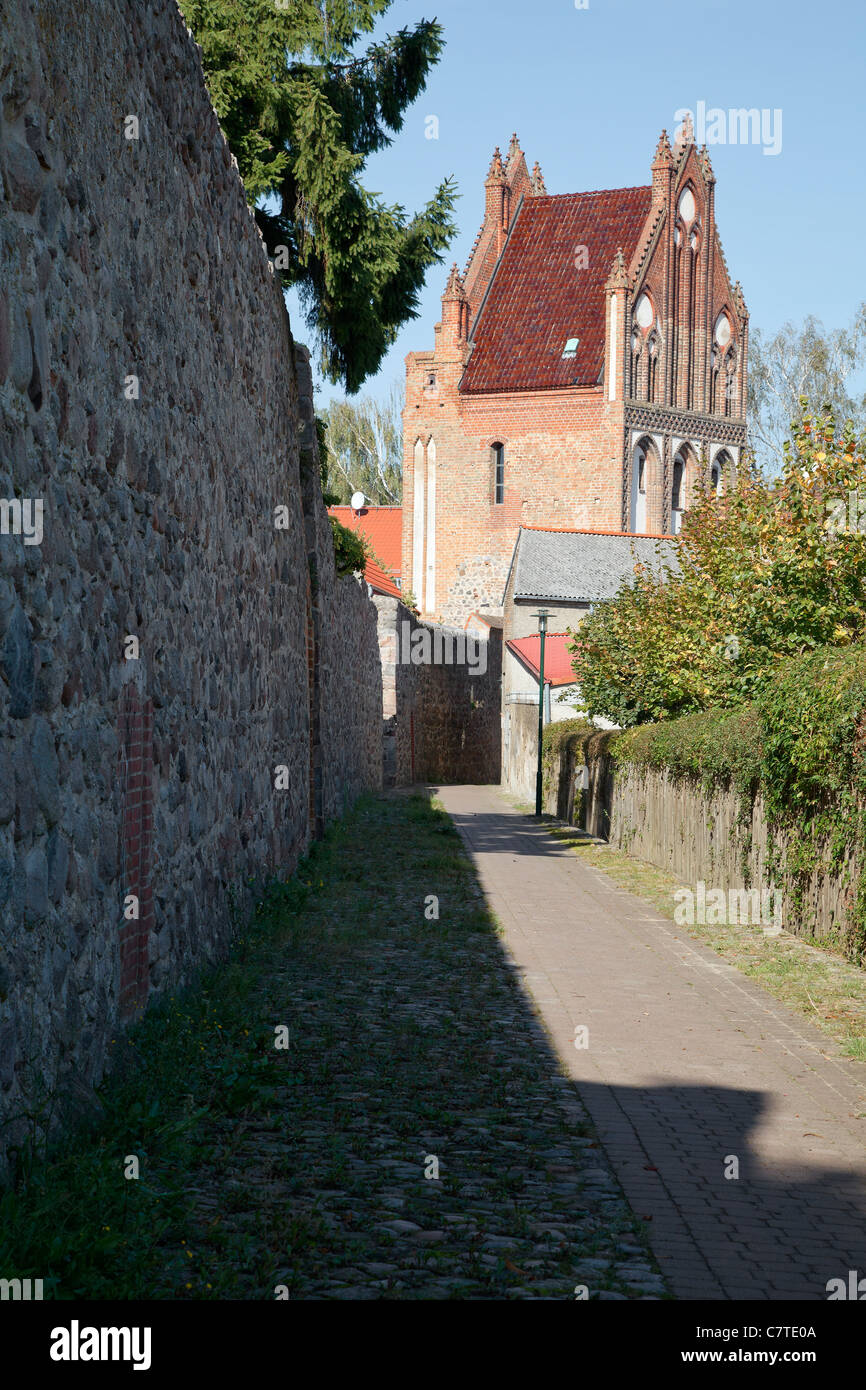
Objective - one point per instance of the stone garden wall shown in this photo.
(696, 834)
(520, 749)
(187, 691)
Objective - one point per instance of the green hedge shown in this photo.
(802, 742)
(718, 746)
(814, 721)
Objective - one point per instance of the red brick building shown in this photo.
(588, 369)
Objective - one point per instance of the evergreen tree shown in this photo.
(302, 112)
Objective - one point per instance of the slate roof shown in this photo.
(557, 658)
(582, 566)
(538, 298)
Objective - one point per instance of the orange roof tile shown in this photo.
(383, 528)
(380, 581)
(594, 531)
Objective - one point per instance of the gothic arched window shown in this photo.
(722, 380)
(636, 346)
(642, 322)
(715, 366)
(654, 348)
(730, 380)
(677, 495)
(638, 490)
(497, 452)
(647, 493)
(721, 472)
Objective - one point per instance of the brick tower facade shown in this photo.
(589, 368)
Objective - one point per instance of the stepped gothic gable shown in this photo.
(588, 372)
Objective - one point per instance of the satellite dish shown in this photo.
(358, 500)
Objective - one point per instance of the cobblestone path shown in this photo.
(411, 1046)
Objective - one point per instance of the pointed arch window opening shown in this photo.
(677, 494)
(676, 300)
(694, 249)
(653, 354)
(721, 474)
(636, 363)
(638, 509)
(643, 339)
(686, 206)
(498, 458)
(730, 380)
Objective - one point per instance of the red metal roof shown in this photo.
(557, 658)
(539, 297)
(383, 527)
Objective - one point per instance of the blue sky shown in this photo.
(589, 90)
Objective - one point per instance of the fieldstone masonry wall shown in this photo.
(342, 647)
(442, 719)
(152, 397)
(520, 749)
(695, 835)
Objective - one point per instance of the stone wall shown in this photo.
(709, 836)
(520, 749)
(696, 835)
(441, 700)
(153, 400)
(342, 647)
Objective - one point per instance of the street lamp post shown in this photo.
(542, 615)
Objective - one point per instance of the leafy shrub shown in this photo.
(768, 571)
(350, 548)
(802, 743)
(717, 746)
(814, 720)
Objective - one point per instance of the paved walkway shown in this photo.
(689, 1064)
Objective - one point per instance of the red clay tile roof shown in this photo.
(594, 531)
(379, 581)
(383, 527)
(539, 299)
(557, 658)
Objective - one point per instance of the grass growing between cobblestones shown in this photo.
(817, 982)
(409, 1040)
